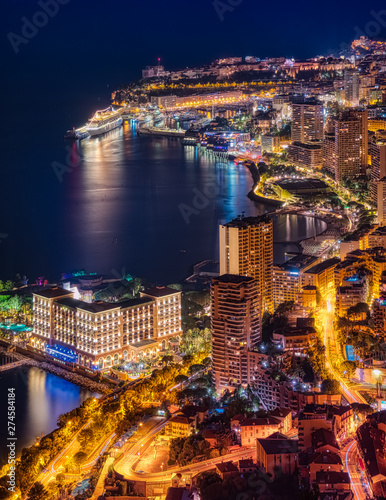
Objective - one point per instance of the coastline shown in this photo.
(70, 376)
(254, 171)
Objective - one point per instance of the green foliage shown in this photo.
(105, 418)
(195, 368)
(317, 358)
(61, 478)
(370, 399)
(272, 322)
(183, 450)
(196, 340)
(6, 285)
(37, 492)
(282, 194)
(358, 310)
(207, 478)
(86, 439)
(181, 378)
(243, 401)
(79, 458)
(175, 286)
(348, 368)
(330, 386)
(11, 303)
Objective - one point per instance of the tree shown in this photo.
(6, 285)
(52, 489)
(330, 386)
(348, 368)
(180, 379)
(167, 359)
(86, 438)
(206, 478)
(224, 441)
(61, 478)
(195, 368)
(79, 458)
(207, 361)
(358, 310)
(37, 492)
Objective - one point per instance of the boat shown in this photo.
(104, 121)
(159, 121)
(77, 134)
(144, 120)
(162, 131)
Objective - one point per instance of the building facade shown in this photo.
(345, 151)
(235, 302)
(99, 335)
(307, 122)
(246, 248)
(381, 201)
(306, 155)
(351, 87)
(378, 166)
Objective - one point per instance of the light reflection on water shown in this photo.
(119, 206)
(128, 194)
(40, 398)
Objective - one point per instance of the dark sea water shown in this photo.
(125, 202)
(40, 398)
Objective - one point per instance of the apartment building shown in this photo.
(287, 278)
(236, 326)
(322, 276)
(246, 249)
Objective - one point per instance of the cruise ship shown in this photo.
(103, 121)
(77, 133)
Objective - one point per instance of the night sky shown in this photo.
(90, 47)
(114, 39)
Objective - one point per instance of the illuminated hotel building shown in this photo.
(236, 327)
(100, 334)
(167, 312)
(246, 249)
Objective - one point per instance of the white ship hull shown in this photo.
(106, 127)
(167, 132)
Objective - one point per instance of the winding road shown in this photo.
(126, 465)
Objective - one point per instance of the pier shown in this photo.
(10, 360)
